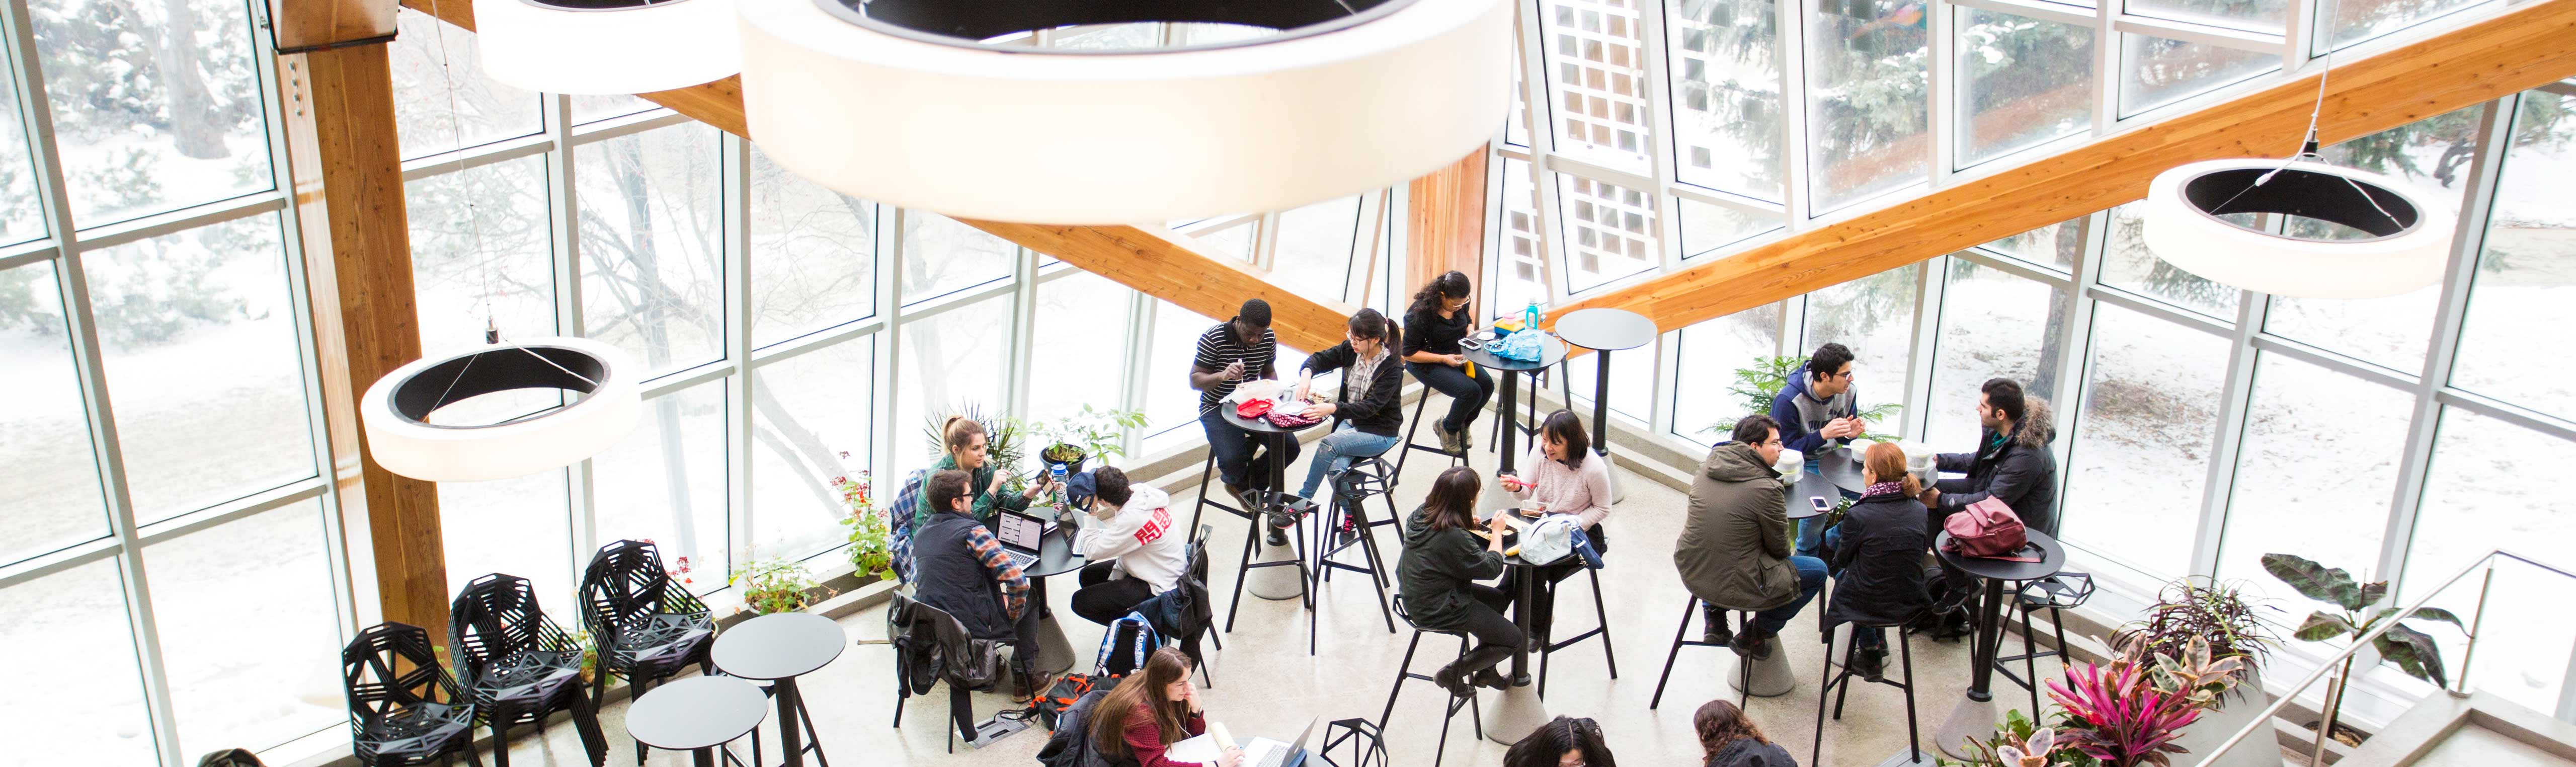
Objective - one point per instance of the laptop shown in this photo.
(1022, 536)
(1264, 752)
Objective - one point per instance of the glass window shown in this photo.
(1516, 127)
(2432, 157)
(442, 101)
(2344, 22)
(1233, 242)
(1596, 72)
(950, 363)
(50, 483)
(1874, 316)
(1171, 406)
(1610, 232)
(652, 252)
(941, 256)
(1710, 353)
(246, 622)
(589, 109)
(21, 218)
(1315, 254)
(156, 105)
(1709, 228)
(811, 421)
(2126, 263)
(2258, 15)
(2519, 305)
(2319, 461)
(2052, 245)
(813, 254)
(1872, 109)
(1725, 73)
(521, 526)
(1632, 382)
(92, 711)
(2162, 71)
(211, 302)
(665, 483)
(480, 247)
(1079, 353)
(2487, 489)
(2141, 451)
(2027, 81)
(1993, 325)
(1522, 270)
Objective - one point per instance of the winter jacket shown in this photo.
(1435, 568)
(1070, 744)
(2015, 468)
(1140, 538)
(1734, 548)
(931, 646)
(1747, 752)
(1879, 562)
(962, 570)
(1801, 414)
(979, 483)
(1380, 409)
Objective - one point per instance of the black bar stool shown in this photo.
(1366, 478)
(2055, 594)
(1198, 512)
(1603, 631)
(1404, 671)
(1274, 503)
(1406, 450)
(1744, 666)
(1905, 648)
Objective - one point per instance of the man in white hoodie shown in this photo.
(1135, 550)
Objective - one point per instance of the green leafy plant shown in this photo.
(2218, 616)
(2192, 673)
(1090, 433)
(589, 655)
(2413, 651)
(1756, 385)
(775, 585)
(871, 534)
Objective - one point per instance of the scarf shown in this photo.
(1356, 382)
(1884, 488)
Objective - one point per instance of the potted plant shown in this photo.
(1761, 381)
(871, 534)
(2413, 651)
(2219, 619)
(1086, 435)
(775, 585)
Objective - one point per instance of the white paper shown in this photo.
(1202, 749)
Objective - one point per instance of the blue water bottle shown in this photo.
(1056, 471)
(1529, 316)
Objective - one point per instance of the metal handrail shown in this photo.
(2459, 687)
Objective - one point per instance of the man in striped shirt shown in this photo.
(1234, 351)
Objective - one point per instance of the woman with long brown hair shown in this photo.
(1728, 738)
(965, 446)
(1438, 574)
(1878, 556)
(1153, 709)
(1438, 318)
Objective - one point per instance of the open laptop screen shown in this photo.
(1021, 531)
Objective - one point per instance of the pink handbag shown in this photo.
(1987, 529)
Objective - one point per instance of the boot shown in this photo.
(1713, 626)
(1449, 678)
(1871, 664)
(1490, 679)
(1755, 644)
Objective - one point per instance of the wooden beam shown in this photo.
(307, 25)
(348, 186)
(1445, 221)
(1160, 265)
(2521, 49)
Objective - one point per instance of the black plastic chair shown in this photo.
(1905, 646)
(516, 665)
(403, 707)
(1743, 666)
(1404, 671)
(647, 628)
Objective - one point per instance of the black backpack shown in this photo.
(1070, 746)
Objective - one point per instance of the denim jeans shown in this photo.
(1234, 449)
(1811, 579)
(1335, 451)
(1467, 394)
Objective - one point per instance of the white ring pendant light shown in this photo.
(397, 407)
(593, 47)
(2406, 244)
(894, 101)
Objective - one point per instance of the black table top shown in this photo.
(779, 645)
(2052, 559)
(1055, 551)
(1261, 425)
(696, 712)
(1842, 466)
(1550, 351)
(1811, 485)
(1605, 329)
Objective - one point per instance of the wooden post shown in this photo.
(348, 185)
(1444, 226)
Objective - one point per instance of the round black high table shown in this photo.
(698, 715)
(1550, 352)
(1055, 557)
(1275, 465)
(1975, 715)
(1810, 485)
(1842, 466)
(1604, 331)
(780, 647)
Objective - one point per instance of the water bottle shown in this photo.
(1529, 316)
(1056, 472)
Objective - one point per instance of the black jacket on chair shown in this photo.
(1380, 410)
(930, 646)
(1879, 562)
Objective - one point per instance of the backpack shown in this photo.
(1987, 529)
(1124, 647)
(1070, 744)
(1054, 705)
(900, 514)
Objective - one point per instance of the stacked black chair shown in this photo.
(2056, 593)
(516, 665)
(1404, 671)
(1905, 648)
(403, 707)
(1743, 666)
(647, 628)
(1349, 525)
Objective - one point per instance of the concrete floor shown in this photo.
(1266, 684)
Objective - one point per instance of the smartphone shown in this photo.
(1822, 506)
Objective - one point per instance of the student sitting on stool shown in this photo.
(1564, 478)
(1728, 738)
(1129, 540)
(963, 571)
(1372, 384)
(1437, 574)
(1562, 742)
(1734, 549)
(1878, 557)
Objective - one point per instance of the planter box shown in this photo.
(2242, 706)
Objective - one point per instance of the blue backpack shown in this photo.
(1126, 645)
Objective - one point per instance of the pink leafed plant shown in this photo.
(2117, 716)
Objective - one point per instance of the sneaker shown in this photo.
(1450, 442)
(1749, 645)
(1242, 496)
(1714, 630)
(1490, 679)
(1871, 665)
(1447, 678)
(1026, 687)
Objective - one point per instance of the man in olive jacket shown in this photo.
(1734, 550)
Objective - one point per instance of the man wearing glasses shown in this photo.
(1817, 410)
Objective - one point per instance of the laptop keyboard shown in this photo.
(1278, 757)
(1021, 559)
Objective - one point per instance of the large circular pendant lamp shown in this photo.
(895, 101)
(607, 46)
(2401, 239)
(400, 437)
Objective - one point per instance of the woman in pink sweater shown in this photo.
(1561, 475)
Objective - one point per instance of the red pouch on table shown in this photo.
(1251, 409)
(1987, 529)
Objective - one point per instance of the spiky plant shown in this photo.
(2216, 613)
(2116, 715)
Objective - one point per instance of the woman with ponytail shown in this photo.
(1877, 555)
(1433, 325)
(969, 449)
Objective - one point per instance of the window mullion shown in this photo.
(734, 177)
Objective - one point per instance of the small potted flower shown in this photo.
(871, 534)
(775, 585)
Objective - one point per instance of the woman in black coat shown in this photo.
(1437, 579)
(1878, 558)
